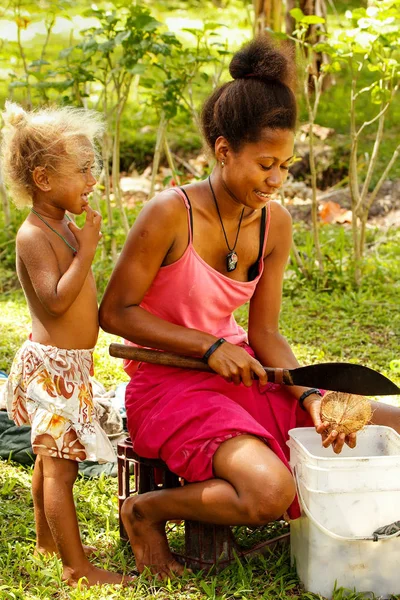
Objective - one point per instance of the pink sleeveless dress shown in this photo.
(182, 416)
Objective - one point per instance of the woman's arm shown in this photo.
(271, 348)
(152, 241)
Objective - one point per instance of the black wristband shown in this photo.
(308, 393)
(212, 349)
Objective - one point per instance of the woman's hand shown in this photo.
(236, 365)
(312, 404)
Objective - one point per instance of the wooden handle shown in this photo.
(168, 359)
(158, 358)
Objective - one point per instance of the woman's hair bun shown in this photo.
(14, 115)
(262, 59)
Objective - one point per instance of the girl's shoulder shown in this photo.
(29, 233)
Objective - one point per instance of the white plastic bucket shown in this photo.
(344, 499)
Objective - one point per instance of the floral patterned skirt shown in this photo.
(49, 389)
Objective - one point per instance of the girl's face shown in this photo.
(257, 170)
(73, 181)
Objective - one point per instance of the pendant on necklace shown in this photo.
(231, 261)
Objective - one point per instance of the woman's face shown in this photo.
(257, 171)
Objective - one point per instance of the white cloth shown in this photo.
(50, 389)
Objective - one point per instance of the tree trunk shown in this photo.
(97, 205)
(107, 190)
(116, 170)
(315, 33)
(157, 152)
(267, 14)
(171, 163)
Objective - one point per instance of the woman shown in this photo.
(192, 257)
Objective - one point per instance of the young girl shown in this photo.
(193, 257)
(48, 158)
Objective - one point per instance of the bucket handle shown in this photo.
(375, 537)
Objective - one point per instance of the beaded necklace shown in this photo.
(74, 250)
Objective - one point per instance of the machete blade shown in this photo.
(344, 377)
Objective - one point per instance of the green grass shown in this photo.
(23, 576)
(325, 319)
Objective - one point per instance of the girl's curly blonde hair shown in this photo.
(53, 138)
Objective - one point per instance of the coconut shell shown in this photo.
(345, 413)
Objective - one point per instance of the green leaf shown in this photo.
(147, 83)
(379, 95)
(213, 26)
(106, 47)
(121, 37)
(359, 13)
(66, 52)
(138, 69)
(333, 67)
(145, 22)
(152, 26)
(112, 19)
(192, 30)
(297, 14)
(89, 45)
(324, 47)
(312, 19)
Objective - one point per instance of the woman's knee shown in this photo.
(264, 485)
(271, 500)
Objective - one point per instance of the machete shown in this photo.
(334, 376)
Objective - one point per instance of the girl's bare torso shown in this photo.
(78, 326)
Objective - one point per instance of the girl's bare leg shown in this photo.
(45, 543)
(252, 487)
(58, 479)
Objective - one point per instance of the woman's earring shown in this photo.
(222, 163)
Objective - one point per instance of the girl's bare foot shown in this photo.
(149, 541)
(92, 575)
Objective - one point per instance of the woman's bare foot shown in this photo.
(92, 575)
(149, 541)
(52, 551)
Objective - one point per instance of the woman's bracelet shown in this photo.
(212, 349)
(308, 393)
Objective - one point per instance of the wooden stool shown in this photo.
(206, 545)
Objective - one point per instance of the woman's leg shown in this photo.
(59, 476)
(252, 487)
